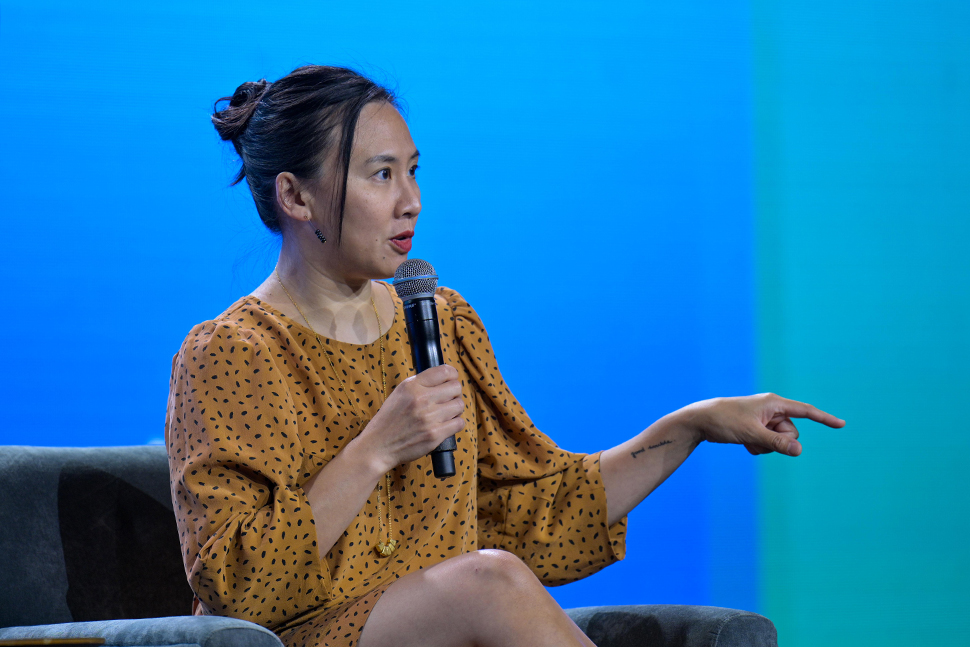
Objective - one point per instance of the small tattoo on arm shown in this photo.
(639, 451)
(660, 444)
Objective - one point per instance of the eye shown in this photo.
(413, 170)
(384, 174)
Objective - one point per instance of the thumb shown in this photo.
(776, 442)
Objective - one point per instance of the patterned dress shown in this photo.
(255, 410)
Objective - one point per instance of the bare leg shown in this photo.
(488, 598)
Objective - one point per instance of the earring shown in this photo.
(319, 233)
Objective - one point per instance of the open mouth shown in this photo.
(403, 241)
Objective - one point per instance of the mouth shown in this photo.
(403, 241)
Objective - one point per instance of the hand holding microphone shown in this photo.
(418, 415)
(415, 282)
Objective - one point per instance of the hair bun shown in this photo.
(231, 122)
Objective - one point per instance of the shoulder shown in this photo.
(466, 319)
(236, 352)
(246, 328)
(451, 300)
(469, 331)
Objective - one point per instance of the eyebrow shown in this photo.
(388, 159)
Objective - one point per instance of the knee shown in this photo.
(498, 564)
(495, 571)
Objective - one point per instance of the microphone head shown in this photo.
(415, 278)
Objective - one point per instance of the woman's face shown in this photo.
(383, 198)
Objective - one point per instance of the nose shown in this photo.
(409, 201)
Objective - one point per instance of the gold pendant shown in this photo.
(384, 550)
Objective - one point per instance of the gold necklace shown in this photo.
(384, 549)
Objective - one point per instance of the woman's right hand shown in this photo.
(419, 414)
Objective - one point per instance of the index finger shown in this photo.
(796, 409)
(437, 375)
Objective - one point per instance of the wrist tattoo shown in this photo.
(639, 451)
(660, 444)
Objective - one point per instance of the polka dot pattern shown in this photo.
(255, 410)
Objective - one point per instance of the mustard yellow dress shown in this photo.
(255, 410)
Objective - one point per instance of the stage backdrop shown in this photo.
(863, 194)
(757, 197)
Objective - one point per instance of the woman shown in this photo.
(298, 432)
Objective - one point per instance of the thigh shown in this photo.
(416, 610)
(483, 598)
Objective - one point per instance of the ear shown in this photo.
(292, 198)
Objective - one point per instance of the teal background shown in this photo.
(762, 195)
(863, 195)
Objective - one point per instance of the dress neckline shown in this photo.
(329, 340)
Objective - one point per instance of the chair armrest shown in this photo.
(185, 631)
(672, 625)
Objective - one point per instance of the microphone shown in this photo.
(415, 283)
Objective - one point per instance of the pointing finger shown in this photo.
(796, 409)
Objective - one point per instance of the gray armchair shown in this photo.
(90, 549)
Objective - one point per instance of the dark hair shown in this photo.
(292, 125)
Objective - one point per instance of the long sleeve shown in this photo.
(246, 527)
(546, 505)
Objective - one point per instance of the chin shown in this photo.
(393, 264)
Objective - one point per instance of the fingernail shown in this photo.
(791, 448)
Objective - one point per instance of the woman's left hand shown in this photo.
(762, 423)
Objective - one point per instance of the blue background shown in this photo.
(568, 153)
(756, 196)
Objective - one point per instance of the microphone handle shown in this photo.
(421, 316)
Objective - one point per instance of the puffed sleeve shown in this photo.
(546, 505)
(246, 528)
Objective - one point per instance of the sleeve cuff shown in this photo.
(616, 534)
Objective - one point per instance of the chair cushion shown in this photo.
(186, 631)
(673, 625)
(91, 536)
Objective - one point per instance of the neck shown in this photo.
(332, 304)
(316, 286)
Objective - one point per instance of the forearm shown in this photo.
(634, 469)
(338, 492)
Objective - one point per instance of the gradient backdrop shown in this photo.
(764, 195)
